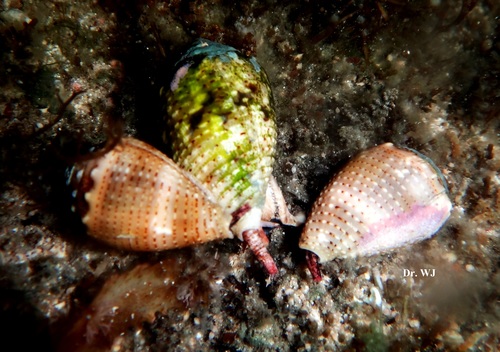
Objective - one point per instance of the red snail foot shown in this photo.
(257, 241)
(312, 264)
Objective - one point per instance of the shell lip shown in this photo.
(433, 165)
(321, 253)
(79, 179)
(245, 218)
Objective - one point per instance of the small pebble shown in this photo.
(470, 268)
(414, 323)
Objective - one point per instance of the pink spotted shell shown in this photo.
(384, 198)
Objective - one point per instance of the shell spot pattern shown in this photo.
(136, 198)
(384, 198)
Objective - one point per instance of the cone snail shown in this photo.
(136, 198)
(223, 132)
(384, 198)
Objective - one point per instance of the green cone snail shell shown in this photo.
(223, 132)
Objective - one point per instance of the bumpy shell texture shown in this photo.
(223, 131)
(384, 198)
(136, 198)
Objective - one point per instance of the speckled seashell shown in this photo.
(384, 198)
(136, 198)
(222, 131)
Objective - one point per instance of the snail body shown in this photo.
(223, 132)
(136, 198)
(384, 198)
